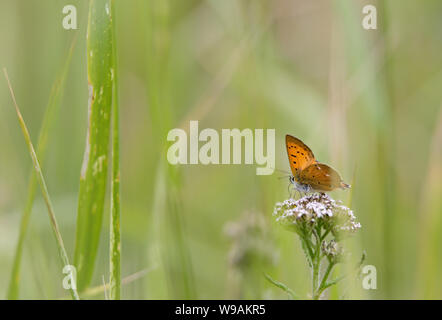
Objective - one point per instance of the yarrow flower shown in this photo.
(316, 210)
(321, 223)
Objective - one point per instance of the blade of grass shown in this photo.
(48, 120)
(94, 170)
(115, 242)
(42, 183)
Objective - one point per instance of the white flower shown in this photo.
(315, 210)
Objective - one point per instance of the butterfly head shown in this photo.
(292, 179)
(299, 186)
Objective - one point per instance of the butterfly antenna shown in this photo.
(282, 171)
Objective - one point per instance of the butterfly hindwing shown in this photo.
(300, 156)
(321, 177)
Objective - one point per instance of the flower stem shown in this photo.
(315, 280)
(322, 286)
(316, 265)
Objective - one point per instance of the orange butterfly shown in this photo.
(309, 174)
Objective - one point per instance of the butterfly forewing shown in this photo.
(300, 156)
(320, 177)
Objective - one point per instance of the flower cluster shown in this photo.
(321, 224)
(315, 212)
(332, 250)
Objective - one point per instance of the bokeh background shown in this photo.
(368, 102)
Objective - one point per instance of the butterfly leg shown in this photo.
(295, 193)
(291, 190)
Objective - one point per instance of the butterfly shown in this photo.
(307, 173)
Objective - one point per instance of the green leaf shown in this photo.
(95, 163)
(290, 292)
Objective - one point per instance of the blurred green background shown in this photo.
(368, 102)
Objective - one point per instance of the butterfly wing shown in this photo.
(300, 156)
(321, 177)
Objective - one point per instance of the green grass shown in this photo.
(93, 180)
(358, 98)
(52, 110)
(43, 187)
(103, 105)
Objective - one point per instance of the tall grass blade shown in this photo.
(95, 163)
(115, 243)
(42, 183)
(48, 120)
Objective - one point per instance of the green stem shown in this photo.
(316, 265)
(315, 279)
(325, 234)
(323, 286)
(306, 239)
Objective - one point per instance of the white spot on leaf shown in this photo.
(98, 165)
(88, 144)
